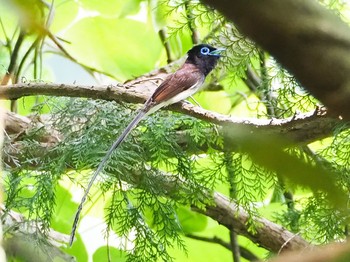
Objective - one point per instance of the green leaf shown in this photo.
(64, 14)
(78, 250)
(116, 255)
(191, 221)
(159, 12)
(31, 14)
(9, 17)
(65, 211)
(112, 7)
(26, 104)
(124, 48)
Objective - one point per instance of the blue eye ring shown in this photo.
(205, 50)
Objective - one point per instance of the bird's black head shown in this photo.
(205, 57)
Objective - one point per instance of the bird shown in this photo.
(183, 83)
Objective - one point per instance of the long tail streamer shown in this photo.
(100, 167)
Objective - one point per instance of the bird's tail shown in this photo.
(120, 139)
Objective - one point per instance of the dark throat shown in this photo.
(204, 64)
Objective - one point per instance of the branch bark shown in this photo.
(311, 42)
(228, 213)
(335, 252)
(301, 129)
(267, 234)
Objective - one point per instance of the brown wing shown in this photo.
(188, 76)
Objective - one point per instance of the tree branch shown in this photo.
(302, 128)
(311, 42)
(228, 213)
(267, 234)
(335, 252)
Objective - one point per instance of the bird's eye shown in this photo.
(205, 50)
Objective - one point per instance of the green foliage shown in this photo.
(118, 52)
(115, 255)
(242, 52)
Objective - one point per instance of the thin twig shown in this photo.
(246, 253)
(164, 39)
(236, 252)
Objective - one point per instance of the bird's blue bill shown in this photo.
(217, 52)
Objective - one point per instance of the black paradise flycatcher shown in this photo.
(178, 86)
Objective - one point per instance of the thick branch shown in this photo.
(335, 252)
(117, 93)
(267, 234)
(303, 128)
(225, 212)
(311, 42)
